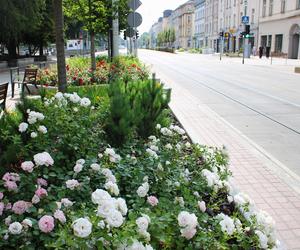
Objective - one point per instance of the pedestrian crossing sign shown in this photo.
(245, 19)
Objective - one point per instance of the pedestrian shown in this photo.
(261, 50)
(254, 50)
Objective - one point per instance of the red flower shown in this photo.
(80, 80)
(67, 67)
(74, 78)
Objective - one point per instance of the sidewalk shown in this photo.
(253, 172)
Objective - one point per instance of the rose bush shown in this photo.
(67, 188)
(79, 73)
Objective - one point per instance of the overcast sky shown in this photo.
(151, 10)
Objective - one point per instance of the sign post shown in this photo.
(134, 20)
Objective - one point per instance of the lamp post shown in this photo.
(115, 32)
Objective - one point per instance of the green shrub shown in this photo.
(150, 102)
(121, 117)
(181, 50)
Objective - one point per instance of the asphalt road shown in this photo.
(261, 101)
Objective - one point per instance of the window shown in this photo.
(278, 43)
(271, 8)
(264, 8)
(270, 41)
(252, 15)
(298, 4)
(282, 6)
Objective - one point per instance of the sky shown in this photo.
(151, 10)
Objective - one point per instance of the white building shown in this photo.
(211, 39)
(199, 23)
(279, 26)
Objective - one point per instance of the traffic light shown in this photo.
(221, 34)
(137, 34)
(247, 29)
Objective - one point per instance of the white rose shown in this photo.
(42, 129)
(85, 102)
(106, 207)
(121, 206)
(82, 227)
(80, 161)
(27, 223)
(202, 206)
(112, 188)
(15, 228)
(72, 184)
(114, 218)
(33, 135)
(43, 159)
(143, 190)
(99, 196)
(142, 223)
(23, 127)
(27, 166)
(95, 167)
(78, 168)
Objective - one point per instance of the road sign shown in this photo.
(134, 4)
(130, 32)
(134, 19)
(245, 19)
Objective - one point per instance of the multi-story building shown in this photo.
(154, 30)
(211, 40)
(279, 26)
(230, 22)
(167, 19)
(185, 19)
(199, 23)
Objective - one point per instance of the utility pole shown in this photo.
(115, 32)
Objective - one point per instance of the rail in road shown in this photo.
(265, 108)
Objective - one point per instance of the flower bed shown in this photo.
(63, 186)
(79, 72)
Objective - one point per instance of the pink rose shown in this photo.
(20, 207)
(152, 200)
(1, 208)
(27, 166)
(1, 195)
(59, 215)
(11, 185)
(11, 177)
(46, 223)
(41, 192)
(42, 182)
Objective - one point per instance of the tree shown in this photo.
(60, 45)
(96, 17)
(16, 19)
(39, 36)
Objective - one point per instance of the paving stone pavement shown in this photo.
(251, 169)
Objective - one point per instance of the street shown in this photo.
(259, 100)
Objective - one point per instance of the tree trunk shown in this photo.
(93, 56)
(60, 45)
(11, 47)
(41, 48)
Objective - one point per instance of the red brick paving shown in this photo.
(251, 172)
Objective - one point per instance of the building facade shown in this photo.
(279, 26)
(199, 23)
(211, 39)
(185, 19)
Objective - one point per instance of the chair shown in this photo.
(3, 94)
(29, 79)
